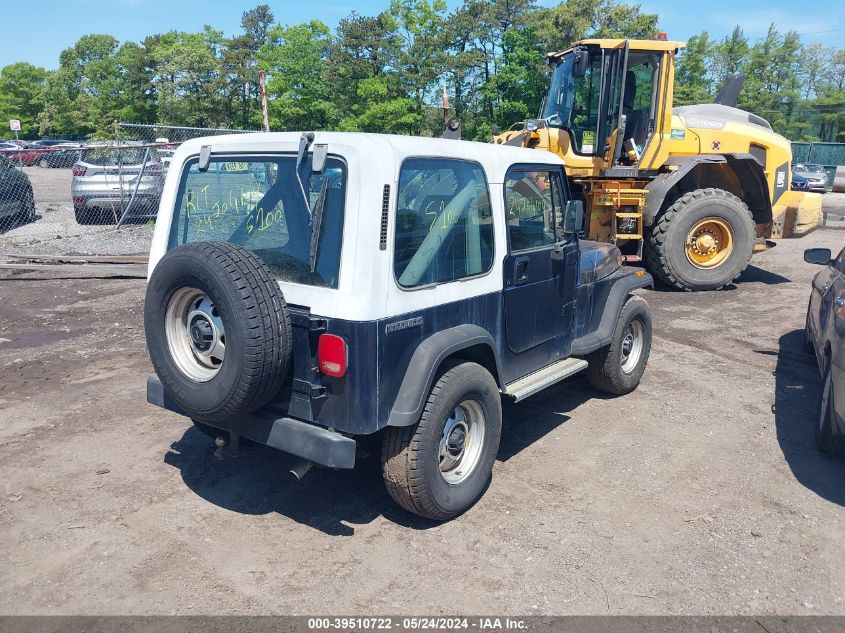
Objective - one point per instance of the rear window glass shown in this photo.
(257, 202)
(808, 167)
(115, 156)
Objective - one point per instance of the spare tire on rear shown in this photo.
(218, 330)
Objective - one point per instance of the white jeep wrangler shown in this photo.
(305, 289)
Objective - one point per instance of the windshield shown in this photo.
(256, 202)
(574, 102)
(810, 168)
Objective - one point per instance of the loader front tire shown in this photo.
(703, 241)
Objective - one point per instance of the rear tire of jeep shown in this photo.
(710, 227)
(618, 367)
(218, 330)
(441, 466)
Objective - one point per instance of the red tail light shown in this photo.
(332, 355)
(79, 170)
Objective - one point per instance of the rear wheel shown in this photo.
(701, 242)
(439, 467)
(85, 215)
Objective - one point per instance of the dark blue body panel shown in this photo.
(390, 370)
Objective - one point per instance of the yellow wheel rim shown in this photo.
(709, 243)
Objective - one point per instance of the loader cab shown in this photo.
(610, 97)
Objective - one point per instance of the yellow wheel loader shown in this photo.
(693, 190)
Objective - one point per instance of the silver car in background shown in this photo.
(106, 179)
(166, 155)
(815, 175)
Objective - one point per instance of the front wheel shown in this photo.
(703, 241)
(808, 335)
(618, 367)
(439, 467)
(27, 213)
(829, 438)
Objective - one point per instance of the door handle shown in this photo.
(520, 271)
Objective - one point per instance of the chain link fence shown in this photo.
(64, 197)
(87, 198)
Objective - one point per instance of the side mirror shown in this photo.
(817, 256)
(494, 129)
(582, 62)
(573, 217)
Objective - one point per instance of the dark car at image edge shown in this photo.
(825, 336)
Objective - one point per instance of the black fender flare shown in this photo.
(426, 360)
(748, 171)
(623, 282)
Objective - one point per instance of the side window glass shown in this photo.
(643, 84)
(531, 204)
(444, 224)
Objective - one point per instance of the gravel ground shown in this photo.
(699, 493)
(56, 231)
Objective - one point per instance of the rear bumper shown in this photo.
(304, 440)
(114, 200)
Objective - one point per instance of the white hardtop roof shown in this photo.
(496, 159)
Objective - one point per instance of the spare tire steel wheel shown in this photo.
(218, 330)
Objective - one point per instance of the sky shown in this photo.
(38, 31)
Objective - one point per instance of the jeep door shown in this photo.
(541, 265)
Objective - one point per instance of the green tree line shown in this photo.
(799, 89)
(385, 73)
